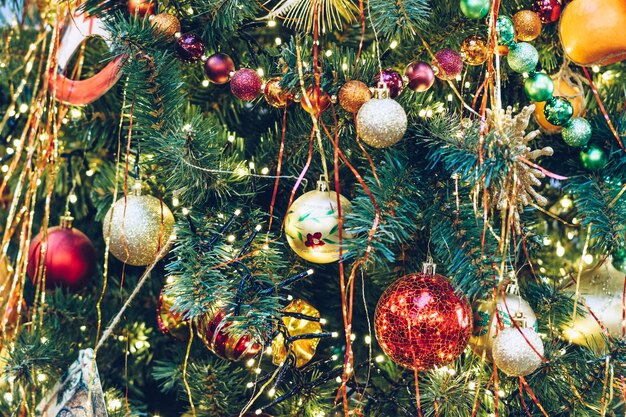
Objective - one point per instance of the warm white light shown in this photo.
(379, 358)
(250, 384)
(368, 339)
(278, 41)
(393, 45)
(260, 72)
(205, 83)
(560, 251)
(329, 53)
(588, 259)
(250, 363)
(271, 23)
(115, 404)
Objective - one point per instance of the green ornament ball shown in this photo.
(522, 57)
(505, 30)
(538, 87)
(594, 157)
(619, 255)
(577, 132)
(475, 9)
(558, 111)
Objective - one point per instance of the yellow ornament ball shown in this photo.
(303, 349)
(486, 324)
(139, 227)
(527, 25)
(601, 289)
(312, 224)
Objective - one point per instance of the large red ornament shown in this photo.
(548, 10)
(246, 84)
(421, 322)
(213, 331)
(70, 257)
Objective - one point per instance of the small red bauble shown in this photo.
(449, 63)
(218, 68)
(246, 84)
(421, 76)
(319, 101)
(393, 81)
(548, 10)
(70, 257)
(141, 7)
(421, 322)
(213, 331)
(189, 47)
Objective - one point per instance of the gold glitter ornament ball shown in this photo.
(486, 324)
(312, 224)
(513, 351)
(527, 25)
(276, 95)
(474, 50)
(353, 95)
(165, 24)
(139, 226)
(381, 122)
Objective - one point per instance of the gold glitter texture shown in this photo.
(527, 25)
(353, 95)
(139, 227)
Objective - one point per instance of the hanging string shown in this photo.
(279, 166)
(602, 109)
(580, 271)
(185, 363)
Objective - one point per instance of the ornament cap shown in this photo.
(382, 91)
(520, 319)
(137, 187)
(429, 267)
(322, 184)
(66, 220)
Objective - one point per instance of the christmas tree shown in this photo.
(312, 208)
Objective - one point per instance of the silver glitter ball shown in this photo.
(139, 226)
(381, 122)
(513, 354)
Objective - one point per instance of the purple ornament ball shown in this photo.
(246, 84)
(189, 47)
(218, 68)
(421, 76)
(392, 79)
(449, 64)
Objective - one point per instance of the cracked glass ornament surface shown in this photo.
(513, 353)
(421, 322)
(139, 227)
(381, 122)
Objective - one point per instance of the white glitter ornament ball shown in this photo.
(381, 122)
(486, 324)
(139, 227)
(513, 354)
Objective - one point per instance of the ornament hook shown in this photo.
(322, 184)
(429, 267)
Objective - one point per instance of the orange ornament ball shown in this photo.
(353, 95)
(527, 25)
(276, 95)
(318, 101)
(141, 8)
(562, 88)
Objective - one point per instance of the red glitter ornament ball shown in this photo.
(548, 10)
(246, 84)
(218, 68)
(421, 322)
(189, 47)
(392, 79)
(449, 63)
(70, 257)
(213, 331)
(421, 76)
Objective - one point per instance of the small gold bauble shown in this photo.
(312, 225)
(602, 291)
(353, 94)
(485, 322)
(166, 24)
(527, 25)
(474, 50)
(139, 226)
(275, 95)
(304, 349)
